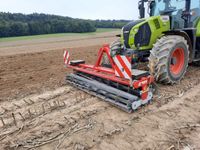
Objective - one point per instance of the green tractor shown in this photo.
(169, 39)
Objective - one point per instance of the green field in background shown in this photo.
(99, 30)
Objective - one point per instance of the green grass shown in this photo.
(99, 30)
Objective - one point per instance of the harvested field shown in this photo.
(38, 111)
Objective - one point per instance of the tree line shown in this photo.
(18, 24)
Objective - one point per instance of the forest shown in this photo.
(17, 24)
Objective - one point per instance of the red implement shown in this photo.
(120, 76)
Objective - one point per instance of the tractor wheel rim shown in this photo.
(179, 57)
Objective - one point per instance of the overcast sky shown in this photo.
(86, 9)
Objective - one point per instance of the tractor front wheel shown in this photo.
(115, 48)
(169, 59)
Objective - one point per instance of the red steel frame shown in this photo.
(109, 73)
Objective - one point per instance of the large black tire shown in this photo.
(169, 59)
(115, 48)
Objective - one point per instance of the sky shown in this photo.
(84, 9)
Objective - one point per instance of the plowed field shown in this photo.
(38, 111)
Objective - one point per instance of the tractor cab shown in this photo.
(183, 13)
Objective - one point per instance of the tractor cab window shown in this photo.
(173, 8)
(168, 7)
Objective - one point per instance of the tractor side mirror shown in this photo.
(141, 9)
(151, 7)
(152, 4)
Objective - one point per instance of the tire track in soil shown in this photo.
(75, 106)
(65, 97)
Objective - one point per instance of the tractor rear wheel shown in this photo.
(169, 59)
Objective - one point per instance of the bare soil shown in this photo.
(39, 111)
(47, 44)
